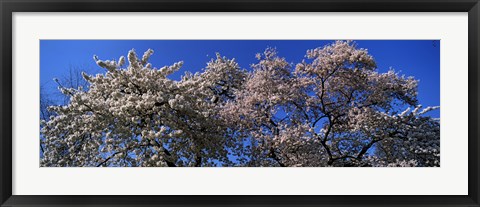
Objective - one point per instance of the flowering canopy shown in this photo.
(332, 109)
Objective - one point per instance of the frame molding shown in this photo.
(7, 7)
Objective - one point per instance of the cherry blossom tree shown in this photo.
(332, 109)
(139, 117)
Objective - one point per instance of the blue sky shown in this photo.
(418, 58)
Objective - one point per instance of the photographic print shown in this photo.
(239, 103)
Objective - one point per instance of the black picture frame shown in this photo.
(7, 7)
